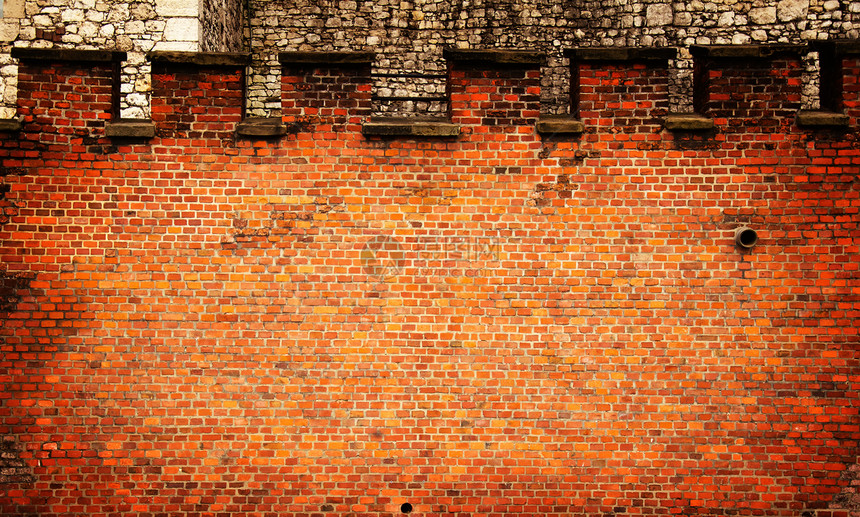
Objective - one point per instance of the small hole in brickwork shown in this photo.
(406, 508)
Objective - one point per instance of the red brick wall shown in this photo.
(623, 97)
(493, 324)
(196, 102)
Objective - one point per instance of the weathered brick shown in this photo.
(491, 323)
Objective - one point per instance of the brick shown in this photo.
(498, 322)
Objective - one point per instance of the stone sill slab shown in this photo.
(808, 118)
(687, 122)
(67, 55)
(496, 57)
(548, 126)
(261, 127)
(10, 125)
(327, 58)
(746, 51)
(130, 129)
(839, 47)
(201, 58)
(658, 54)
(396, 126)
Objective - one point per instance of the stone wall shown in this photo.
(410, 35)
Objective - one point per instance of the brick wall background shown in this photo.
(495, 323)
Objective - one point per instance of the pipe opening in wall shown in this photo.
(746, 237)
(406, 508)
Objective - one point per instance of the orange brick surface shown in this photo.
(495, 324)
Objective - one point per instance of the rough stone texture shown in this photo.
(223, 26)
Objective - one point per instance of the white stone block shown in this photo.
(72, 15)
(790, 10)
(177, 8)
(182, 29)
(763, 15)
(9, 30)
(659, 14)
(13, 9)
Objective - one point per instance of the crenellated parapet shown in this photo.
(737, 89)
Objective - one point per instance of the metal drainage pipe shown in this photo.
(746, 237)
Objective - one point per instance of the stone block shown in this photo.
(13, 9)
(168, 8)
(9, 30)
(182, 29)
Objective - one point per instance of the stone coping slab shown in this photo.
(68, 55)
(130, 129)
(559, 125)
(261, 127)
(201, 58)
(10, 124)
(496, 57)
(398, 126)
(838, 47)
(747, 51)
(811, 118)
(651, 54)
(688, 122)
(327, 58)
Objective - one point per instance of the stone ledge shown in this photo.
(67, 55)
(746, 51)
(822, 119)
(621, 54)
(395, 126)
(559, 126)
(130, 129)
(839, 47)
(10, 125)
(261, 127)
(687, 122)
(496, 57)
(327, 58)
(200, 58)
